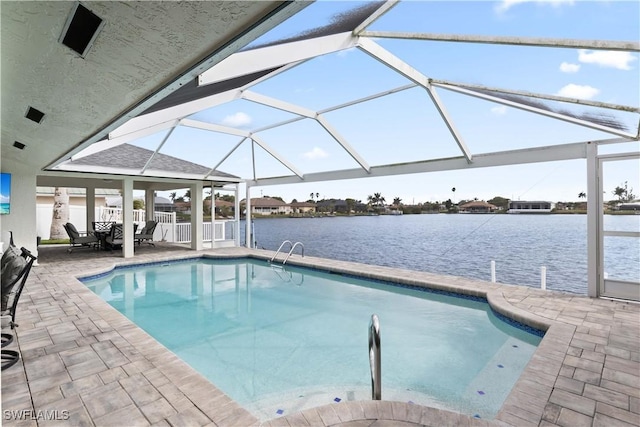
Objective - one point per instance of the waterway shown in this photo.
(465, 245)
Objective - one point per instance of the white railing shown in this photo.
(183, 232)
(115, 214)
(168, 229)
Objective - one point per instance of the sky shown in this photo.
(406, 127)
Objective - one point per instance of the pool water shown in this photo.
(279, 340)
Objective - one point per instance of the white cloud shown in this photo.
(316, 153)
(577, 91)
(505, 5)
(567, 67)
(238, 119)
(499, 110)
(4, 199)
(606, 58)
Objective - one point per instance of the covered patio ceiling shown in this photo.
(55, 98)
(384, 101)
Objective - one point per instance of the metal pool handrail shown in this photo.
(280, 248)
(291, 251)
(293, 246)
(374, 358)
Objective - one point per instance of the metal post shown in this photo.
(493, 271)
(374, 358)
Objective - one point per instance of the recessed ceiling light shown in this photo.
(34, 114)
(81, 29)
(19, 145)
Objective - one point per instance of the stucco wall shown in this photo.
(22, 218)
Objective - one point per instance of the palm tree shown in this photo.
(60, 214)
(173, 196)
(311, 195)
(379, 199)
(582, 195)
(317, 196)
(187, 195)
(397, 201)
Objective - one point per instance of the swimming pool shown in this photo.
(281, 340)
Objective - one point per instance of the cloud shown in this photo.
(316, 153)
(606, 58)
(238, 119)
(567, 67)
(4, 199)
(505, 5)
(577, 91)
(499, 110)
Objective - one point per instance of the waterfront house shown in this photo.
(633, 205)
(268, 206)
(477, 206)
(529, 207)
(303, 207)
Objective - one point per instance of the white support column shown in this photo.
(127, 217)
(594, 199)
(149, 204)
(247, 233)
(90, 206)
(236, 211)
(197, 219)
(213, 215)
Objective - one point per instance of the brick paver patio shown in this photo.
(83, 363)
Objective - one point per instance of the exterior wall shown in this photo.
(271, 210)
(73, 200)
(77, 213)
(530, 207)
(22, 218)
(44, 214)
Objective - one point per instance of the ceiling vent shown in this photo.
(34, 115)
(18, 145)
(81, 29)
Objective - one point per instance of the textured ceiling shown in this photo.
(142, 48)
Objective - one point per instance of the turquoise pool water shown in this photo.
(281, 340)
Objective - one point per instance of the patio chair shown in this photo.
(146, 234)
(115, 238)
(16, 265)
(78, 240)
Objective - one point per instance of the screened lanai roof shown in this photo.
(359, 89)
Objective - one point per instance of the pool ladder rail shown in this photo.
(374, 358)
(293, 246)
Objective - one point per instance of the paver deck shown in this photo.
(83, 363)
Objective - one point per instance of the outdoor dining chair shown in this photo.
(146, 234)
(78, 240)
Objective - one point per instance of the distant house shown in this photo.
(338, 206)
(522, 206)
(185, 207)
(223, 207)
(477, 206)
(303, 207)
(633, 205)
(161, 204)
(77, 196)
(269, 206)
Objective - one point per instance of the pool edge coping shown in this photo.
(494, 296)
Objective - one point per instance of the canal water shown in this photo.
(464, 245)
